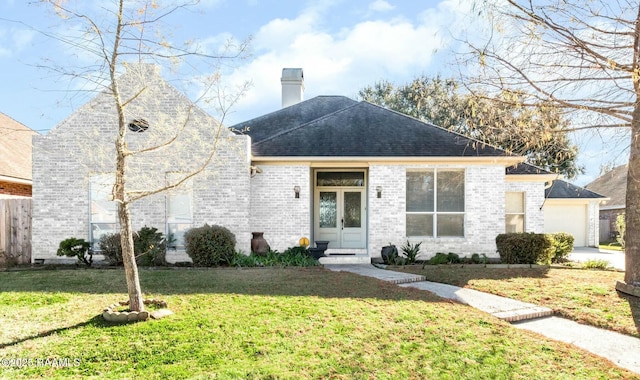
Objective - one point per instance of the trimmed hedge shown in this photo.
(210, 246)
(525, 248)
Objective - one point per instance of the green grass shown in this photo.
(611, 247)
(288, 323)
(584, 295)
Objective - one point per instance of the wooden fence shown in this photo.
(15, 231)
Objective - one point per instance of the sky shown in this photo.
(342, 46)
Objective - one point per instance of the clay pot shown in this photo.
(258, 244)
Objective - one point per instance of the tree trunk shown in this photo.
(136, 303)
(632, 218)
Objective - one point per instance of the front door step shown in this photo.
(343, 258)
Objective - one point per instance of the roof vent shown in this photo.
(292, 86)
(138, 125)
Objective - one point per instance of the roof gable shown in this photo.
(613, 184)
(341, 127)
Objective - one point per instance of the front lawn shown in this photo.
(266, 323)
(584, 295)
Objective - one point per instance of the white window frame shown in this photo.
(435, 211)
(105, 197)
(184, 222)
(523, 213)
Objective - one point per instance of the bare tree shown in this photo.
(582, 56)
(120, 34)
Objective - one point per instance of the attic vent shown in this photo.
(138, 125)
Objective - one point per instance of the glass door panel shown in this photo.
(352, 209)
(328, 209)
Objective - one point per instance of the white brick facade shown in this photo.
(83, 145)
(533, 203)
(484, 210)
(275, 211)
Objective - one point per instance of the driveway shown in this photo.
(615, 258)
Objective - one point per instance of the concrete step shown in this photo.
(345, 259)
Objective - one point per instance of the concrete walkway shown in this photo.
(615, 258)
(623, 350)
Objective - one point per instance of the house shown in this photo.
(573, 209)
(329, 168)
(74, 164)
(15, 158)
(613, 185)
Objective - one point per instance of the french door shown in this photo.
(340, 211)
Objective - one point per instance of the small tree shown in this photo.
(128, 33)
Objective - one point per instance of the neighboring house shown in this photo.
(15, 158)
(613, 185)
(573, 209)
(329, 168)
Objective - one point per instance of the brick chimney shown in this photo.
(292, 86)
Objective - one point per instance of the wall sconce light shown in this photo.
(296, 189)
(379, 191)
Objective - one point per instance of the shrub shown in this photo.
(562, 246)
(78, 248)
(110, 248)
(210, 245)
(443, 258)
(294, 256)
(411, 252)
(524, 248)
(622, 227)
(596, 264)
(149, 247)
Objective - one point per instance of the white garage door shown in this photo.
(567, 218)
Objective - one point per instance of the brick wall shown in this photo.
(533, 202)
(83, 144)
(14, 189)
(484, 210)
(275, 211)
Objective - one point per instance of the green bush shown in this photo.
(294, 256)
(78, 248)
(210, 245)
(562, 246)
(443, 258)
(149, 247)
(596, 264)
(525, 248)
(111, 249)
(411, 252)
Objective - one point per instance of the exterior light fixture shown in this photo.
(296, 189)
(379, 191)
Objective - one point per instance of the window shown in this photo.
(514, 209)
(179, 211)
(435, 203)
(103, 217)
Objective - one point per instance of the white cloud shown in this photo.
(338, 62)
(380, 6)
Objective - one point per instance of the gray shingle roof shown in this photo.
(613, 184)
(563, 189)
(336, 126)
(524, 168)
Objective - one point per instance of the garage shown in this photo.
(567, 218)
(572, 209)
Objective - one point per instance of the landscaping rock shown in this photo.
(161, 313)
